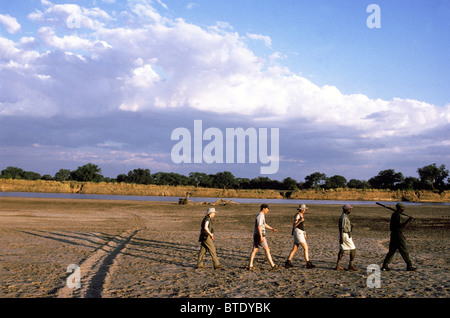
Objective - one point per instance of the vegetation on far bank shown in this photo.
(430, 177)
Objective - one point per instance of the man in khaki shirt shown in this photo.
(206, 240)
(345, 239)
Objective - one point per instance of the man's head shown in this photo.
(302, 208)
(264, 208)
(347, 208)
(211, 212)
(400, 207)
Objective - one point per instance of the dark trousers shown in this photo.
(397, 243)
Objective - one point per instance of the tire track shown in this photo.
(382, 244)
(97, 266)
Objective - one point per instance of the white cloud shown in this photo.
(70, 16)
(147, 12)
(69, 42)
(258, 37)
(191, 5)
(180, 65)
(10, 23)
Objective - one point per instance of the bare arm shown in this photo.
(206, 228)
(271, 228)
(298, 219)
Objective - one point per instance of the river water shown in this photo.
(193, 199)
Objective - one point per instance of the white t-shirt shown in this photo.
(261, 221)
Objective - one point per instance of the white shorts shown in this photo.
(299, 236)
(347, 243)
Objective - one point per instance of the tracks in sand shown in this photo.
(99, 264)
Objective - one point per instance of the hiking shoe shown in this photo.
(385, 268)
(200, 266)
(288, 264)
(352, 268)
(218, 267)
(411, 268)
(310, 265)
(275, 267)
(339, 268)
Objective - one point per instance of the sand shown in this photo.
(136, 249)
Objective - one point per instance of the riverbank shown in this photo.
(8, 185)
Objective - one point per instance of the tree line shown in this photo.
(430, 177)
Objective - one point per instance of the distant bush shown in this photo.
(432, 177)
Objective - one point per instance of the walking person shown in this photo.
(398, 240)
(298, 231)
(345, 239)
(259, 236)
(206, 239)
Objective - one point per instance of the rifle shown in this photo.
(387, 207)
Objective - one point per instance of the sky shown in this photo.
(108, 82)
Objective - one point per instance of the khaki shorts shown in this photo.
(299, 236)
(257, 241)
(347, 243)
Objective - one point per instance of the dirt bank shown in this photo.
(7, 185)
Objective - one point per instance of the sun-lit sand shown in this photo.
(148, 249)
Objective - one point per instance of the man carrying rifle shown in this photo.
(398, 241)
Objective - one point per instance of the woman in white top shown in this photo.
(298, 231)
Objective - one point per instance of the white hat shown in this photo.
(347, 207)
(211, 210)
(302, 207)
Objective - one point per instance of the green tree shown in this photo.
(12, 173)
(170, 178)
(122, 178)
(87, 173)
(358, 184)
(433, 176)
(242, 183)
(289, 184)
(225, 180)
(315, 180)
(263, 183)
(139, 176)
(62, 175)
(386, 179)
(410, 183)
(199, 179)
(30, 175)
(335, 182)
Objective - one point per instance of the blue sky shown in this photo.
(323, 40)
(108, 81)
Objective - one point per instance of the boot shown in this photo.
(288, 264)
(310, 265)
(352, 267)
(410, 268)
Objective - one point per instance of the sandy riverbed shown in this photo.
(148, 250)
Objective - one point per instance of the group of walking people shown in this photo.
(397, 241)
